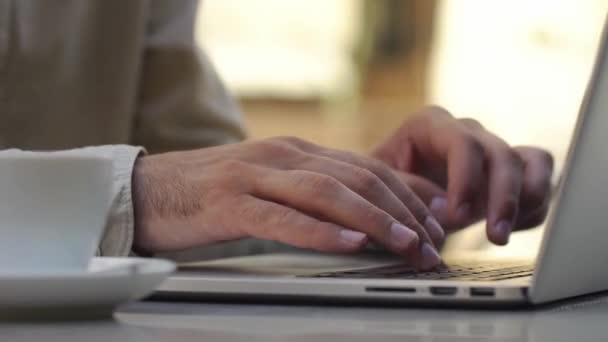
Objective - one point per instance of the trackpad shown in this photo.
(296, 263)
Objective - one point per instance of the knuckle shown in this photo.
(436, 110)
(318, 183)
(235, 175)
(276, 146)
(366, 181)
(373, 169)
(256, 215)
(347, 156)
(285, 217)
(514, 159)
(471, 123)
(547, 158)
(325, 182)
(293, 141)
(471, 144)
(377, 168)
(299, 178)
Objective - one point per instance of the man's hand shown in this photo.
(282, 189)
(466, 173)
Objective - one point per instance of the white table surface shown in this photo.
(582, 320)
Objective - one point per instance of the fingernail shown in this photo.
(402, 237)
(352, 237)
(503, 229)
(438, 206)
(434, 229)
(430, 257)
(463, 212)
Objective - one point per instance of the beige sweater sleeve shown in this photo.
(182, 103)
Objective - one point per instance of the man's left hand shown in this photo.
(465, 173)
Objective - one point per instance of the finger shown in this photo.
(532, 219)
(324, 196)
(435, 196)
(424, 221)
(466, 175)
(505, 178)
(536, 189)
(271, 221)
(471, 124)
(467, 186)
(417, 216)
(430, 193)
(416, 207)
(425, 189)
(370, 187)
(454, 142)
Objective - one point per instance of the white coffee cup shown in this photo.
(53, 210)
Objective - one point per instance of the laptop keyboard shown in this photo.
(459, 271)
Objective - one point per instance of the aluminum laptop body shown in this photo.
(572, 260)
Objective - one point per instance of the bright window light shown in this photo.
(296, 48)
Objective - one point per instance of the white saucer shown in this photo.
(84, 295)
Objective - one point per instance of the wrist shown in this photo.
(140, 185)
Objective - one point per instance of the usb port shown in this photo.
(482, 291)
(443, 290)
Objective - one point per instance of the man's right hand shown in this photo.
(282, 189)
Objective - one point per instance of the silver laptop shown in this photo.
(572, 260)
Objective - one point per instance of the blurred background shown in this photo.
(345, 73)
